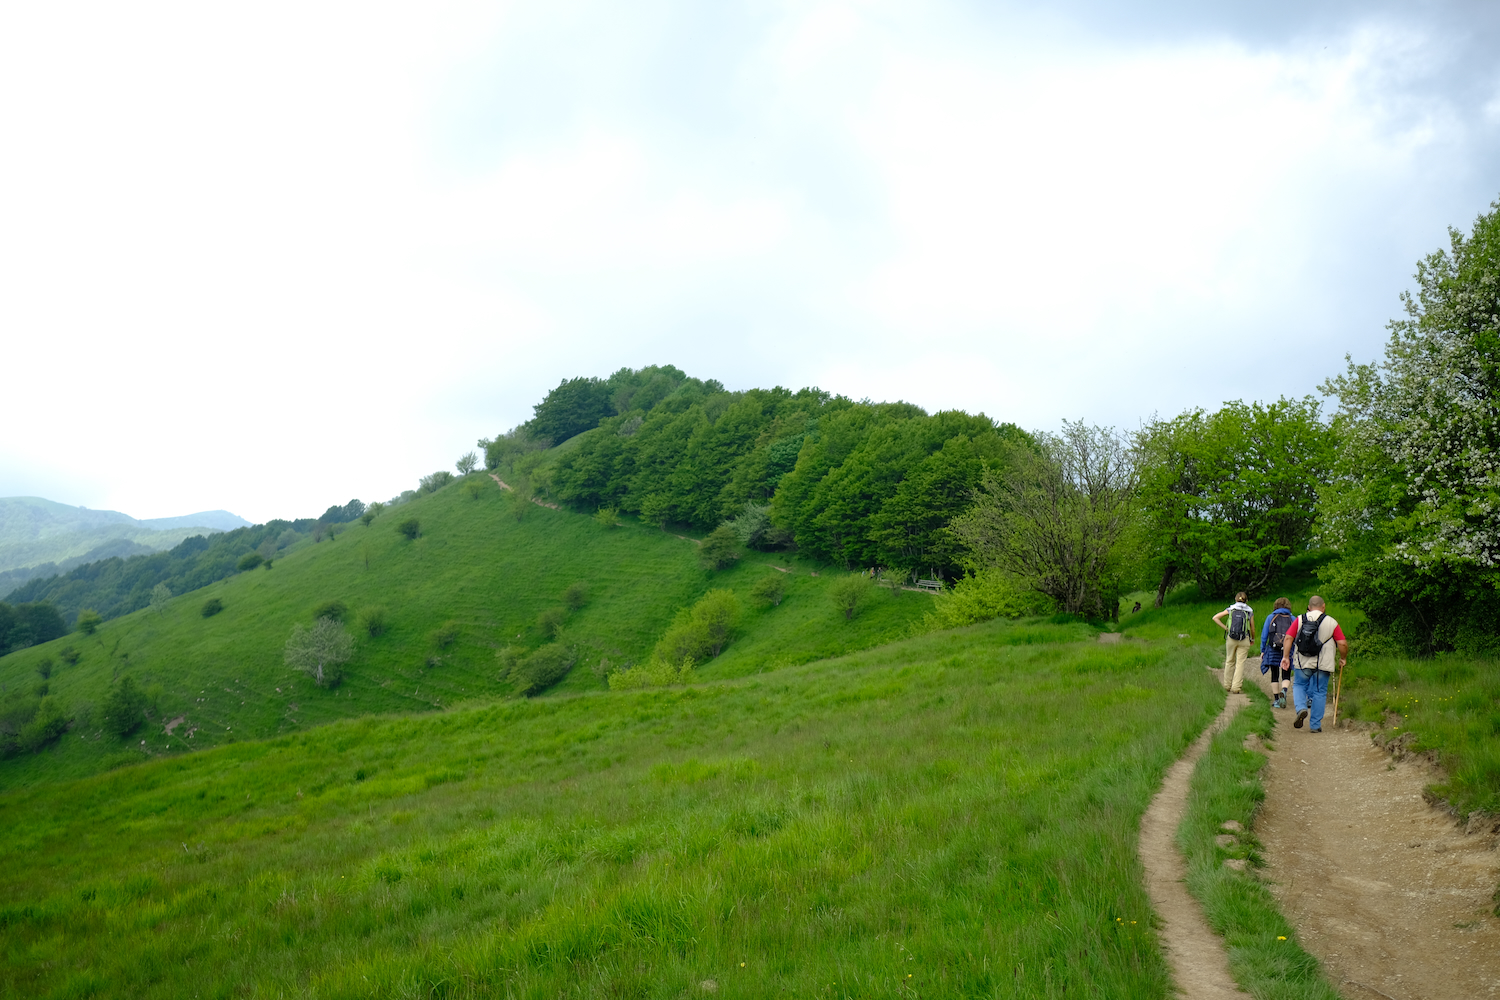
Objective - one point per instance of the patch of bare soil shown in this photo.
(1386, 890)
(1195, 954)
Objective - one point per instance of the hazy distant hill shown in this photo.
(46, 537)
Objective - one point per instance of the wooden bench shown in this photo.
(932, 585)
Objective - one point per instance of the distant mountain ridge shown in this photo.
(41, 534)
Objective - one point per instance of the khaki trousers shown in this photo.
(1235, 651)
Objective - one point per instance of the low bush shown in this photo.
(702, 631)
(88, 621)
(410, 527)
(985, 595)
(542, 669)
(473, 489)
(372, 620)
(44, 667)
(851, 593)
(720, 548)
(124, 707)
(211, 607)
(50, 722)
(655, 673)
(550, 622)
(445, 635)
(769, 589)
(69, 655)
(607, 516)
(249, 561)
(336, 610)
(577, 595)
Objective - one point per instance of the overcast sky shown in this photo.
(266, 257)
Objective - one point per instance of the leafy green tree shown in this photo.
(88, 621)
(656, 509)
(769, 589)
(720, 548)
(1413, 505)
(851, 593)
(1059, 517)
(702, 631)
(371, 513)
(576, 405)
(49, 723)
(336, 610)
(551, 621)
(577, 595)
(160, 595)
(466, 463)
(320, 651)
(409, 528)
(607, 517)
(249, 561)
(1226, 498)
(267, 552)
(543, 668)
(211, 607)
(124, 707)
(434, 482)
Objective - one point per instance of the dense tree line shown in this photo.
(28, 624)
(853, 483)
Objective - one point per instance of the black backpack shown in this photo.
(1237, 624)
(1279, 626)
(1308, 643)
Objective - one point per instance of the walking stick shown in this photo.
(1338, 691)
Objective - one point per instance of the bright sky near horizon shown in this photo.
(269, 257)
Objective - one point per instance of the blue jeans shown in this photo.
(1310, 691)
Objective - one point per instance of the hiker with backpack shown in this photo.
(1240, 627)
(1272, 638)
(1312, 646)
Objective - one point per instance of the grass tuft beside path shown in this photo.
(949, 815)
(1264, 956)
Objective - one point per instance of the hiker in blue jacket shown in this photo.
(1272, 632)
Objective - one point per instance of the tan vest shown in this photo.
(1328, 656)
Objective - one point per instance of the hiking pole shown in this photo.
(1338, 691)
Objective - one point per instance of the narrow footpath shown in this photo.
(1389, 892)
(1195, 954)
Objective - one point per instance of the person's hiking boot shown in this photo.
(1283, 700)
(1301, 718)
(1315, 732)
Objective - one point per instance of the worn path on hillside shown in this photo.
(1387, 891)
(1200, 966)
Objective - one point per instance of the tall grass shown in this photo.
(949, 815)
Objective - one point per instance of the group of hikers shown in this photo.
(1298, 651)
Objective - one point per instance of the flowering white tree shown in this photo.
(320, 650)
(1414, 504)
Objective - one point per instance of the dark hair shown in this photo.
(1282, 602)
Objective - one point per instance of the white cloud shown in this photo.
(266, 259)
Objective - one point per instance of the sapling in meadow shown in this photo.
(88, 621)
(769, 589)
(160, 595)
(851, 593)
(320, 651)
(124, 707)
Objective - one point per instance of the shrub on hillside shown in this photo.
(124, 707)
(655, 673)
(607, 516)
(543, 668)
(372, 620)
(69, 655)
(577, 595)
(44, 667)
(466, 463)
(851, 593)
(249, 561)
(410, 527)
(473, 489)
(336, 610)
(769, 589)
(320, 651)
(49, 723)
(719, 548)
(211, 607)
(702, 631)
(435, 482)
(371, 513)
(88, 621)
(551, 621)
(990, 593)
(445, 635)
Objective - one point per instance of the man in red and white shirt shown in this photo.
(1324, 642)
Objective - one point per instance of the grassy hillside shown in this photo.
(474, 566)
(950, 815)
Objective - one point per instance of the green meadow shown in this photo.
(476, 579)
(954, 814)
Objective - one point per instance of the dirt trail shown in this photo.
(1387, 891)
(1200, 966)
